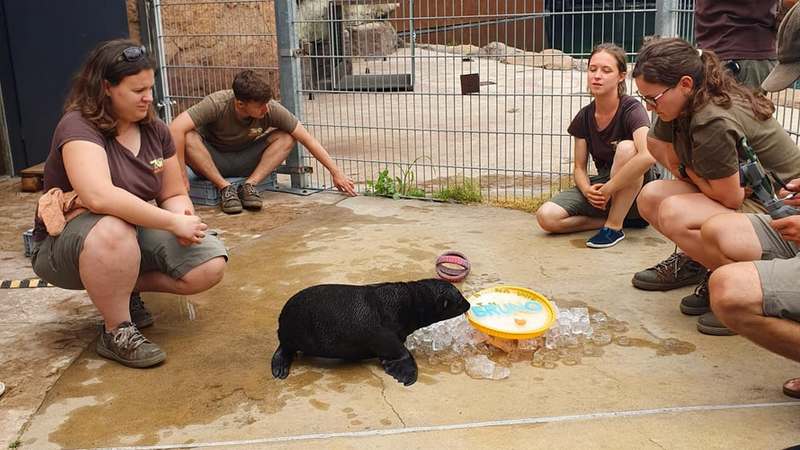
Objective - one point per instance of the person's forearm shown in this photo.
(179, 140)
(581, 178)
(732, 200)
(126, 206)
(315, 148)
(178, 204)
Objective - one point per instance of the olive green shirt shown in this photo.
(707, 141)
(215, 119)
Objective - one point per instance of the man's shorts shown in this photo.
(750, 72)
(778, 270)
(243, 161)
(56, 259)
(573, 201)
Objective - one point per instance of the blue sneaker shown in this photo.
(604, 238)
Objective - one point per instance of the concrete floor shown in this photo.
(215, 387)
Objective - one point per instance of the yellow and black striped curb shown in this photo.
(26, 283)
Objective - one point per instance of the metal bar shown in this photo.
(166, 102)
(285, 11)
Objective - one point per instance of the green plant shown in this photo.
(15, 444)
(387, 186)
(384, 185)
(468, 192)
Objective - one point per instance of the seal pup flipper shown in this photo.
(403, 369)
(395, 358)
(281, 363)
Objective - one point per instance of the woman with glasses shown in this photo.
(702, 116)
(613, 130)
(111, 151)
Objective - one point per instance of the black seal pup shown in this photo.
(362, 322)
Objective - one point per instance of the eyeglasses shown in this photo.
(653, 101)
(133, 54)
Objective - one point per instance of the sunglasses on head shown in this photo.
(132, 54)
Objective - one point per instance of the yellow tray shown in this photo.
(510, 312)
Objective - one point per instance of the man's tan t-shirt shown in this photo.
(215, 119)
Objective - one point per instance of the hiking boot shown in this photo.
(126, 345)
(229, 201)
(140, 316)
(249, 196)
(676, 271)
(605, 238)
(697, 303)
(709, 324)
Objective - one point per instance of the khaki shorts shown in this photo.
(753, 71)
(573, 201)
(778, 270)
(55, 259)
(240, 162)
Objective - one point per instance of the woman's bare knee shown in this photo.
(732, 294)
(549, 216)
(112, 236)
(624, 152)
(648, 201)
(205, 276)
(671, 216)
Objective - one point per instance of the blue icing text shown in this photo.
(507, 309)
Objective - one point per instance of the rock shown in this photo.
(499, 50)
(549, 59)
(371, 39)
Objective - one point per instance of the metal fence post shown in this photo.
(285, 11)
(666, 20)
(166, 101)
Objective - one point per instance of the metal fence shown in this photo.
(435, 94)
(446, 93)
(202, 44)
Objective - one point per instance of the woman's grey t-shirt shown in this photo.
(140, 174)
(630, 116)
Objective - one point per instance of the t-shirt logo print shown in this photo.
(157, 165)
(255, 132)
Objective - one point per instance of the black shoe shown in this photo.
(709, 324)
(140, 316)
(697, 303)
(676, 271)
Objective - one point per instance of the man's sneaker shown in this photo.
(249, 196)
(697, 302)
(676, 271)
(605, 238)
(140, 316)
(709, 324)
(635, 223)
(126, 345)
(229, 201)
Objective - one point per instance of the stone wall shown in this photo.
(207, 43)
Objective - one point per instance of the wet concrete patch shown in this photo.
(216, 383)
(219, 343)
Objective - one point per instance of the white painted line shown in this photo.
(466, 426)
